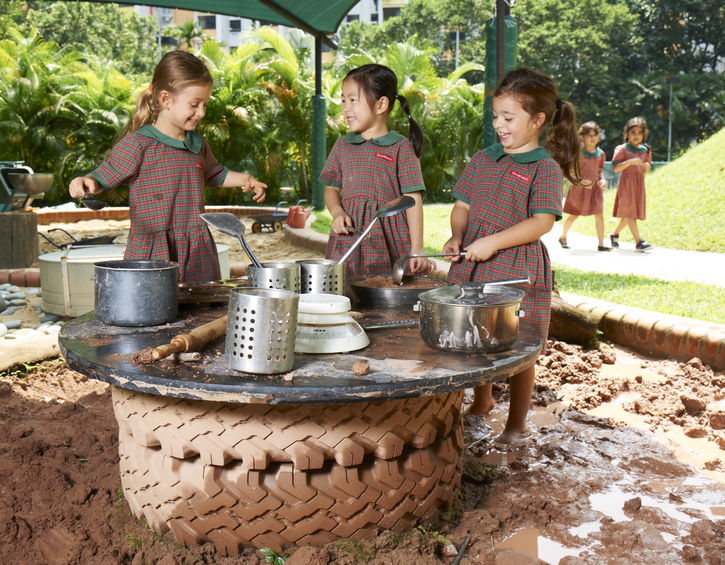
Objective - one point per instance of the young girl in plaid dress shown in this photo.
(166, 165)
(632, 160)
(587, 197)
(508, 196)
(368, 167)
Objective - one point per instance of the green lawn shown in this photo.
(686, 210)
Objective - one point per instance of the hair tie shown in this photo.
(559, 103)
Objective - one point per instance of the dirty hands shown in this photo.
(83, 186)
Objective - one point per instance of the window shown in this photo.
(352, 18)
(390, 13)
(207, 22)
(235, 25)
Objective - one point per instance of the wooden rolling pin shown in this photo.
(193, 340)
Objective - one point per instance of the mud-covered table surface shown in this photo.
(400, 364)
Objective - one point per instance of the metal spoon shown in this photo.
(399, 265)
(229, 224)
(388, 209)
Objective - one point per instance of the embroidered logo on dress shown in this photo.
(388, 158)
(199, 166)
(520, 176)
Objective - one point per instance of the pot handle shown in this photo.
(475, 288)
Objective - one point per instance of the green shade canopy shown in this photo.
(320, 18)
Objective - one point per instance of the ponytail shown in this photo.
(563, 140)
(415, 132)
(147, 109)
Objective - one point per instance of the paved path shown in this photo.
(659, 263)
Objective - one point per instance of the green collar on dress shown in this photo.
(390, 138)
(496, 151)
(597, 153)
(641, 149)
(192, 141)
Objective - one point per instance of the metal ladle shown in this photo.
(399, 265)
(229, 224)
(93, 203)
(386, 210)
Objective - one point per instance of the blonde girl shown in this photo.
(166, 165)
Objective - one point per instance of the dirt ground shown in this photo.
(626, 466)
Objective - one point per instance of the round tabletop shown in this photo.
(401, 365)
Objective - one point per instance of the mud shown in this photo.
(625, 466)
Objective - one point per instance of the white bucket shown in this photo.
(66, 276)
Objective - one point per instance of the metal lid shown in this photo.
(474, 295)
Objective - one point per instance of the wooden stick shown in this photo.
(193, 340)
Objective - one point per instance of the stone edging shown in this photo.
(648, 332)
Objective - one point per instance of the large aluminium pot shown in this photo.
(136, 293)
(470, 318)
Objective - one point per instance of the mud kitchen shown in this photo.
(264, 412)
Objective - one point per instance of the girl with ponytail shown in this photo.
(508, 196)
(166, 165)
(370, 166)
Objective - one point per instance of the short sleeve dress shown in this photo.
(630, 201)
(166, 178)
(503, 189)
(369, 173)
(587, 200)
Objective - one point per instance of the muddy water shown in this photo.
(584, 490)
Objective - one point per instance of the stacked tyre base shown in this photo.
(278, 475)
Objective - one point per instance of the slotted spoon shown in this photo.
(229, 224)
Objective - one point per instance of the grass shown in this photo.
(685, 202)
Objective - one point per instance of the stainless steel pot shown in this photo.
(136, 293)
(471, 318)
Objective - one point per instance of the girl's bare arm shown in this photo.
(340, 220)
(526, 231)
(247, 182)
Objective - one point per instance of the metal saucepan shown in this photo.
(136, 293)
(229, 224)
(399, 265)
(388, 209)
(385, 296)
(472, 318)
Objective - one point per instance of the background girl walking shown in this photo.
(166, 165)
(508, 196)
(368, 167)
(632, 160)
(587, 197)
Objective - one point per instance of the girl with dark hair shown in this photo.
(166, 165)
(586, 198)
(508, 196)
(632, 160)
(370, 166)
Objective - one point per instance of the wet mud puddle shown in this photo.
(583, 490)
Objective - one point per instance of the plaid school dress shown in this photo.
(504, 189)
(369, 173)
(587, 200)
(166, 178)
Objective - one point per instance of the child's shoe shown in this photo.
(643, 246)
(603, 248)
(614, 239)
(563, 244)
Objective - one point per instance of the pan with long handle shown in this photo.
(229, 224)
(386, 210)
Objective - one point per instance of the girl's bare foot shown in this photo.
(513, 437)
(480, 408)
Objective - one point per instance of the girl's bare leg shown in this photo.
(567, 226)
(632, 223)
(599, 225)
(620, 226)
(521, 387)
(482, 400)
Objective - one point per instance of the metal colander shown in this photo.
(281, 275)
(261, 330)
(322, 276)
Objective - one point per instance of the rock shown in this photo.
(692, 405)
(696, 432)
(49, 318)
(18, 302)
(7, 312)
(3, 329)
(632, 505)
(717, 421)
(13, 324)
(14, 295)
(4, 286)
(2, 304)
